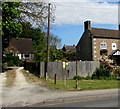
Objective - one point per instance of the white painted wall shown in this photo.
(20, 56)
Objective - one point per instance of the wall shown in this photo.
(109, 42)
(85, 68)
(84, 47)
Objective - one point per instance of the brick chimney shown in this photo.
(87, 25)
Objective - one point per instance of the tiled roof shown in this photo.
(23, 45)
(69, 48)
(105, 32)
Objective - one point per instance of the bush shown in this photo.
(77, 77)
(12, 60)
(102, 72)
(103, 52)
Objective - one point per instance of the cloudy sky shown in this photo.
(71, 14)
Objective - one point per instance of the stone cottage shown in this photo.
(94, 40)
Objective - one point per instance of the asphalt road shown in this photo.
(103, 102)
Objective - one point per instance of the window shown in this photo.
(103, 45)
(114, 46)
(27, 55)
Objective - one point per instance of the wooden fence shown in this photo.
(62, 69)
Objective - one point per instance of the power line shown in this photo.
(71, 6)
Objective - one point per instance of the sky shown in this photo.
(70, 16)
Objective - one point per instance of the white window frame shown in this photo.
(114, 46)
(103, 45)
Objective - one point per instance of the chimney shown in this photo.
(87, 25)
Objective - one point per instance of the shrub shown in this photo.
(103, 52)
(12, 60)
(77, 77)
(103, 72)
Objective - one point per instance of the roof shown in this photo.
(69, 48)
(23, 45)
(100, 32)
(115, 52)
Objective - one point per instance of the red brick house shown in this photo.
(68, 48)
(94, 40)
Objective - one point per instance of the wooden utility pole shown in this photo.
(48, 33)
(76, 73)
(48, 40)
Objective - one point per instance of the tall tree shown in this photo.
(36, 13)
(39, 40)
(10, 21)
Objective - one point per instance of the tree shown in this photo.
(54, 40)
(70, 56)
(10, 22)
(14, 13)
(39, 40)
(55, 54)
(36, 13)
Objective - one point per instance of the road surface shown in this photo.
(103, 102)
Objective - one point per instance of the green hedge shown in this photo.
(12, 60)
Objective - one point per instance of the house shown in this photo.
(96, 40)
(115, 55)
(21, 47)
(68, 48)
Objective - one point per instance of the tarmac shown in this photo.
(74, 96)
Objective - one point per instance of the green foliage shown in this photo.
(88, 77)
(102, 72)
(11, 28)
(12, 60)
(69, 55)
(55, 54)
(103, 52)
(39, 42)
(37, 35)
(77, 77)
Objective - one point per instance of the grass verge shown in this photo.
(31, 78)
(10, 77)
(83, 84)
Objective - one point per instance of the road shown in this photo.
(23, 93)
(103, 102)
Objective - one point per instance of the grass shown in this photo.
(71, 84)
(83, 84)
(31, 78)
(10, 77)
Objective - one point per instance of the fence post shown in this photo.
(76, 74)
(54, 78)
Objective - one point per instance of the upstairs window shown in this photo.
(103, 45)
(114, 46)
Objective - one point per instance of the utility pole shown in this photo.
(48, 40)
(76, 74)
(48, 33)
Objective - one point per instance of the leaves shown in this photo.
(11, 28)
